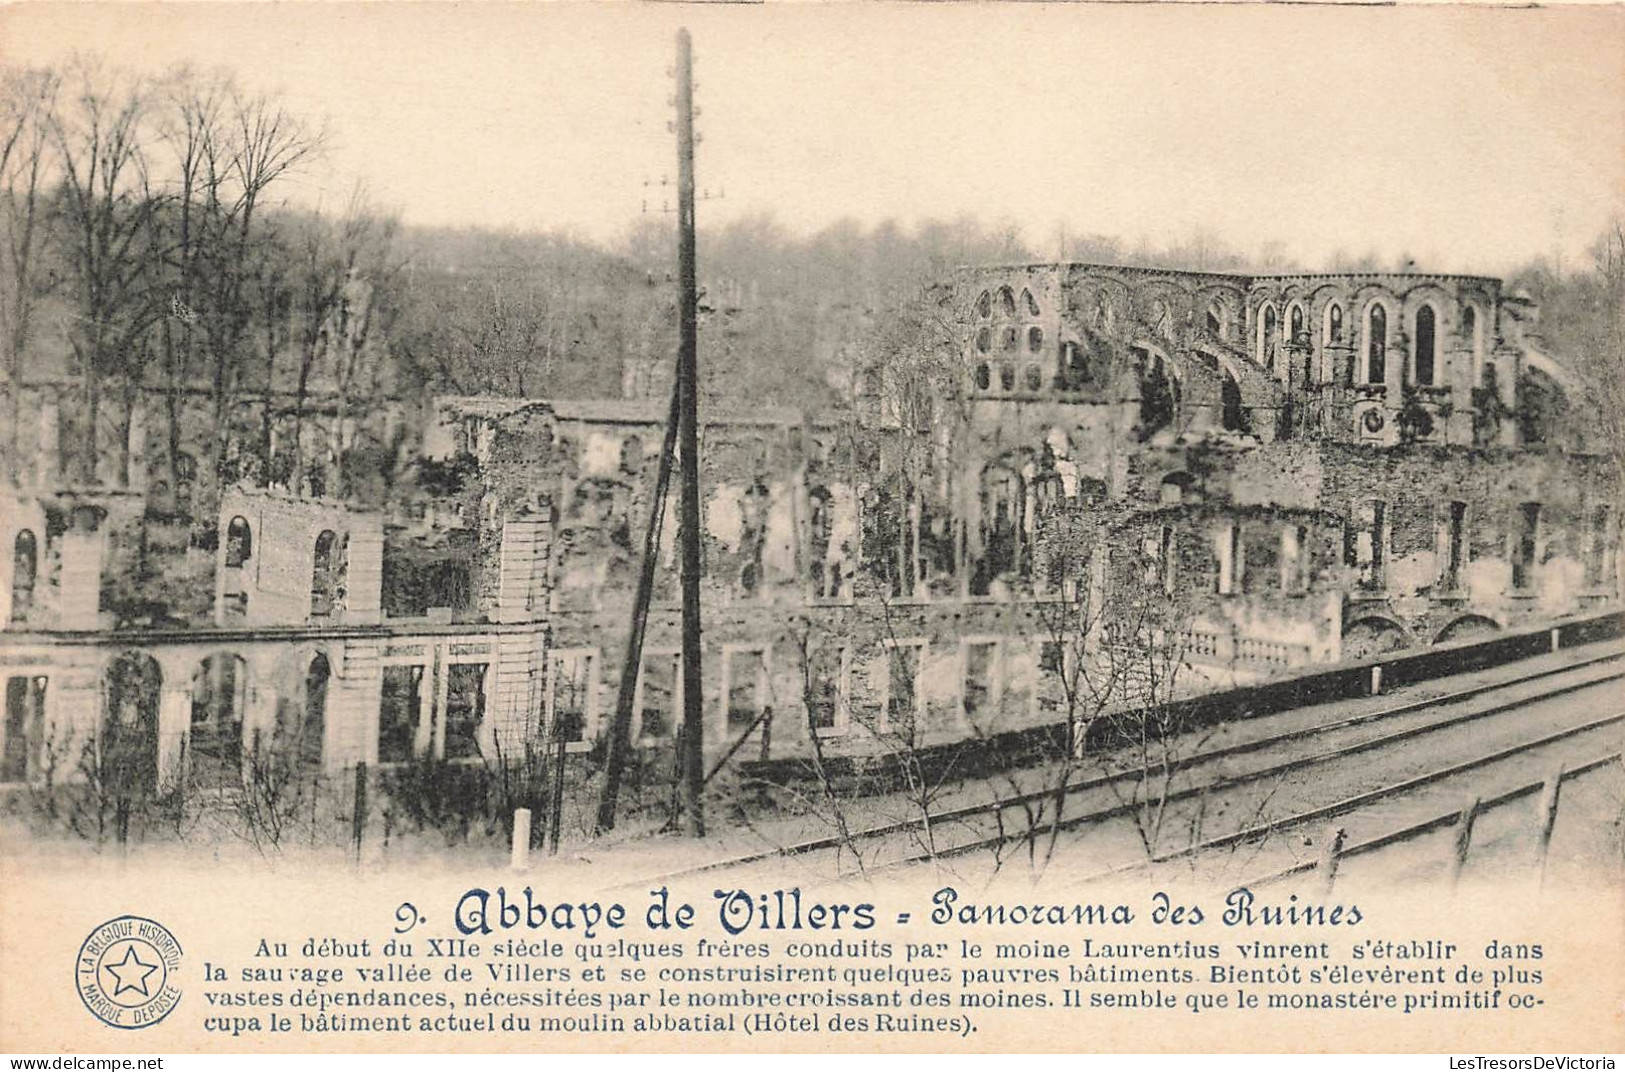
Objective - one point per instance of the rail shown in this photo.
(991, 808)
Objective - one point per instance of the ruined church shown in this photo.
(1298, 469)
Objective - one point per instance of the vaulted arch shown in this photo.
(127, 750)
(214, 740)
(1268, 335)
(1372, 636)
(1467, 627)
(1006, 517)
(1297, 319)
(1425, 346)
(1373, 364)
(329, 566)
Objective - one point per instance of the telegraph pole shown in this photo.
(691, 755)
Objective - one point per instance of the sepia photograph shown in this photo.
(1032, 506)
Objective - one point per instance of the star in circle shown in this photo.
(125, 972)
(131, 968)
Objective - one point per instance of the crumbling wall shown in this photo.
(1419, 483)
(274, 584)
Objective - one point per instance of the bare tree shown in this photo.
(1143, 649)
(187, 122)
(253, 143)
(339, 288)
(1599, 351)
(364, 319)
(105, 208)
(27, 100)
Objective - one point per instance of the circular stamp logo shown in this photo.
(127, 972)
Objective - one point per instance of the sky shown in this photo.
(1468, 139)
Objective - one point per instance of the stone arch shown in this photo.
(1333, 323)
(1334, 332)
(1356, 311)
(1426, 358)
(301, 681)
(1266, 334)
(983, 342)
(239, 542)
(1219, 302)
(126, 751)
(214, 738)
(1104, 301)
(307, 745)
(1035, 340)
(1217, 361)
(1442, 305)
(1162, 308)
(1029, 304)
(1296, 322)
(1376, 335)
(1296, 367)
(1467, 626)
(329, 566)
(1005, 529)
(1430, 293)
(1007, 341)
(1372, 636)
(236, 551)
(1323, 296)
(1160, 357)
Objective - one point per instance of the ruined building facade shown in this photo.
(1299, 469)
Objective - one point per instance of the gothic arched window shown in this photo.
(327, 575)
(1425, 351)
(239, 543)
(1376, 345)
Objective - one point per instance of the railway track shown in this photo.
(1345, 805)
(987, 826)
(1437, 820)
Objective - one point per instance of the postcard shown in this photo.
(575, 528)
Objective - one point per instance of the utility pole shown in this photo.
(691, 757)
(621, 729)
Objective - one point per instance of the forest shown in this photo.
(156, 237)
